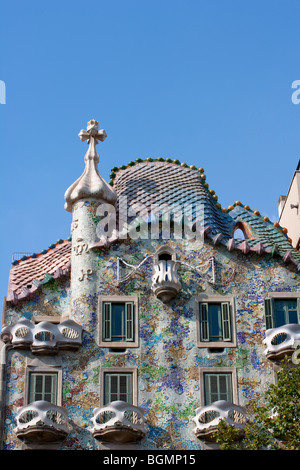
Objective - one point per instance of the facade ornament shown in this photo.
(90, 184)
(74, 225)
(281, 341)
(81, 248)
(42, 422)
(44, 337)
(87, 273)
(165, 280)
(208, 417)
(119, 422)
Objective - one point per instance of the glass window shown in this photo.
(118, 321)
(217, 386)
(281, 312)
(215, 322)
(118, 386)
(285, 312)
(43, 386)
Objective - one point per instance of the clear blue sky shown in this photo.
(204, 81)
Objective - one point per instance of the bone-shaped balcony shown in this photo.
(165, 280)
(42, 422)
(281, 341)
(208, 417)
(119, 422)
(44, 337)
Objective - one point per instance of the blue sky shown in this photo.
(205, 81)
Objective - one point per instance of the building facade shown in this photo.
(152, 321)
(288, 208)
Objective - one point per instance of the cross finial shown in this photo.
(92, 134)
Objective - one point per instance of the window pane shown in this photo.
(215, 322)
(217, 387)
(43, 386)
(285, 312)
(292, 316)
(38, 383)
(279, 313)
(123, 384)
(118, 387)
(118, 320)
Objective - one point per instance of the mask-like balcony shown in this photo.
(44, 337)
(281, 341)
(42, 422)
(208, 417)
(165, 280)
(119, 422)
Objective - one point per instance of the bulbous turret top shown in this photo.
(90, 184)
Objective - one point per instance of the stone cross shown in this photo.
(92, 134)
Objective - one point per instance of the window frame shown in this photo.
(218, 370)
(126, 299)
(120, 371)
(43, 369)
(32, 386)
(269, 309)
(215, 299)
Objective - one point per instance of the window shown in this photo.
(117, 387)
(164, 253)
(217, 387)
(242, 231)
(43, 386)
(281, 311)
(118, 384)
(215, 322)
(218, 383)
(119, 321)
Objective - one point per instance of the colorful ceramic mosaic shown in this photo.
(168, 359)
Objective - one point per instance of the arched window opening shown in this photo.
(164, 253)
(241, 231)
(164, 256)
(239, 234)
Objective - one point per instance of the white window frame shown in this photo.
(133, 339)
(218, 370)
(118, 370)
(213, 299)
(43, 369)
(32, 386)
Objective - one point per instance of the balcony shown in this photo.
(165, 280)
(208, 417)
(42, 422)
(281, 341)
(44, 337)
(119, 422)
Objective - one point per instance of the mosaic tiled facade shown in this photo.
(65, 286)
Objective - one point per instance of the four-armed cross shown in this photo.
(92, 134)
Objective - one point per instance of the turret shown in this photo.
(83, 199)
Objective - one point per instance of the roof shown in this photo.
(31, 272)
(164, 183)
